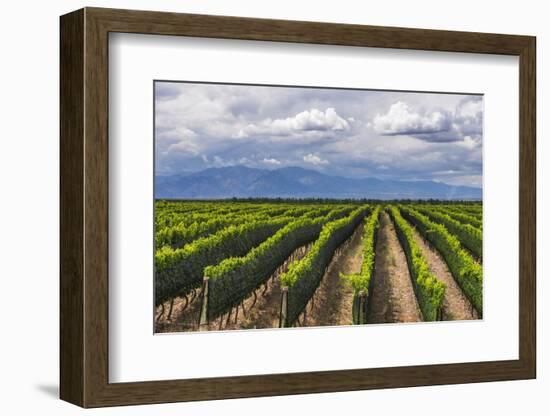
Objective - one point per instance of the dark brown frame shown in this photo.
(84, 208)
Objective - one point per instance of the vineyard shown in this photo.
(222, 265)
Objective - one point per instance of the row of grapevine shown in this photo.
(462, 217)
(170, 219)
(234, 279)
(362, 282)
(205, 211)
(303, 277)
(475, 210)
(181, 234)
(467, 272)
(468, 235)
(178, 271)
(429, 290)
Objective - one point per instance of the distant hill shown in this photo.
(294, 182)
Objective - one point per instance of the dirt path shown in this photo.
(456, 305)
(261, 310)
(333, 299)
(392, 298)
(182, 318)
(261, 313)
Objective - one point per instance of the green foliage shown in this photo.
(169, 214)
(467, 272)
(461, 216)
(475, 210)
(429, 290)
(239, 244)
(303, 276)
(468, 235)
(361, 281)
(193, 226)
(235, 278)
(180, 270)
(182, 233)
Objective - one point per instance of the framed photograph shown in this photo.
(255, 207)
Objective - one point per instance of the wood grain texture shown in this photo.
(96, 208)
(84, 207)
(71, 213)
(527, 208)
(226, 27)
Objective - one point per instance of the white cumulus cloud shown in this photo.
(271, 161)
(402, 119)
(314, 160)
(178, 140)
(470, 142)
(188, 147)
(313, 120)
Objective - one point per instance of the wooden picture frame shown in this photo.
(84, 207)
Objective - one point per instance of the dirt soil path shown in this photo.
(456, 306)
(262, 309)
(392, 297)
(183, 318)
(264, 313)
(333, 299)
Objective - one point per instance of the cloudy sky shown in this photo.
(351, 133)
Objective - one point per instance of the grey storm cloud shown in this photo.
(433, 125)
(354, 133)
(164, 91)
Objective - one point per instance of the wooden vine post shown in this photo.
(362, 308)
(283, 314)
(203, 317)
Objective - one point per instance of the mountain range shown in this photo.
(295, 182)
